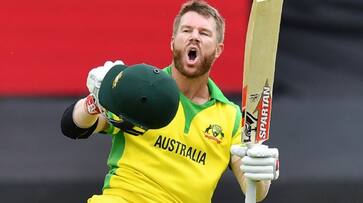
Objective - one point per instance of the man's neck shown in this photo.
(196, 89)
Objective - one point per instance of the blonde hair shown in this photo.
(202, 8)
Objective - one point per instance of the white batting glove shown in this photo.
(96, 75)
(258, 162)
(94, 80)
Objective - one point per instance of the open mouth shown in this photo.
(192, 54)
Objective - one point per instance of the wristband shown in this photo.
(71, 130)
(91, 105)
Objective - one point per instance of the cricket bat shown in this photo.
(258, 75)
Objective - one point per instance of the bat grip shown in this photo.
(251, 184)
(251, 191)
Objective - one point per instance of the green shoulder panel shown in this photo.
(118, 146)
(237, 121)
(218, 95)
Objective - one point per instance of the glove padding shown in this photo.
(258, 162)
(96, 75)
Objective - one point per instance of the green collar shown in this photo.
(215, 92)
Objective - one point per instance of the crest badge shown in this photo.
(214, 132)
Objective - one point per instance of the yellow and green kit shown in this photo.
(181, 162)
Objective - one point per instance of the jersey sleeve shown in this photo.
(237, 130)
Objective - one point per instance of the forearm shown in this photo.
(78, 123)
(262, 187)
(83, 119)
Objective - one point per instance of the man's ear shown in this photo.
(172, 44)
(219, 49)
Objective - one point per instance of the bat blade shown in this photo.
(259, 68)
(258, 76)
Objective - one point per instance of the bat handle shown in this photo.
(250, 184)
(251, 191)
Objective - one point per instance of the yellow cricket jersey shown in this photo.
(181, 162)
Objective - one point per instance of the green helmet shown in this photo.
(141, 96)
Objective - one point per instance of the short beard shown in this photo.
(205, 66)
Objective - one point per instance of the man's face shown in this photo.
(195, 45)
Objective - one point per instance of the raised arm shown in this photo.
(83, 118)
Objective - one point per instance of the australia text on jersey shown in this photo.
(177, 147)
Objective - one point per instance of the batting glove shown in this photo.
(259, 162)
(96, 75)
(94, 80)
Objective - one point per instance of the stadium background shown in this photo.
(47, 48)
